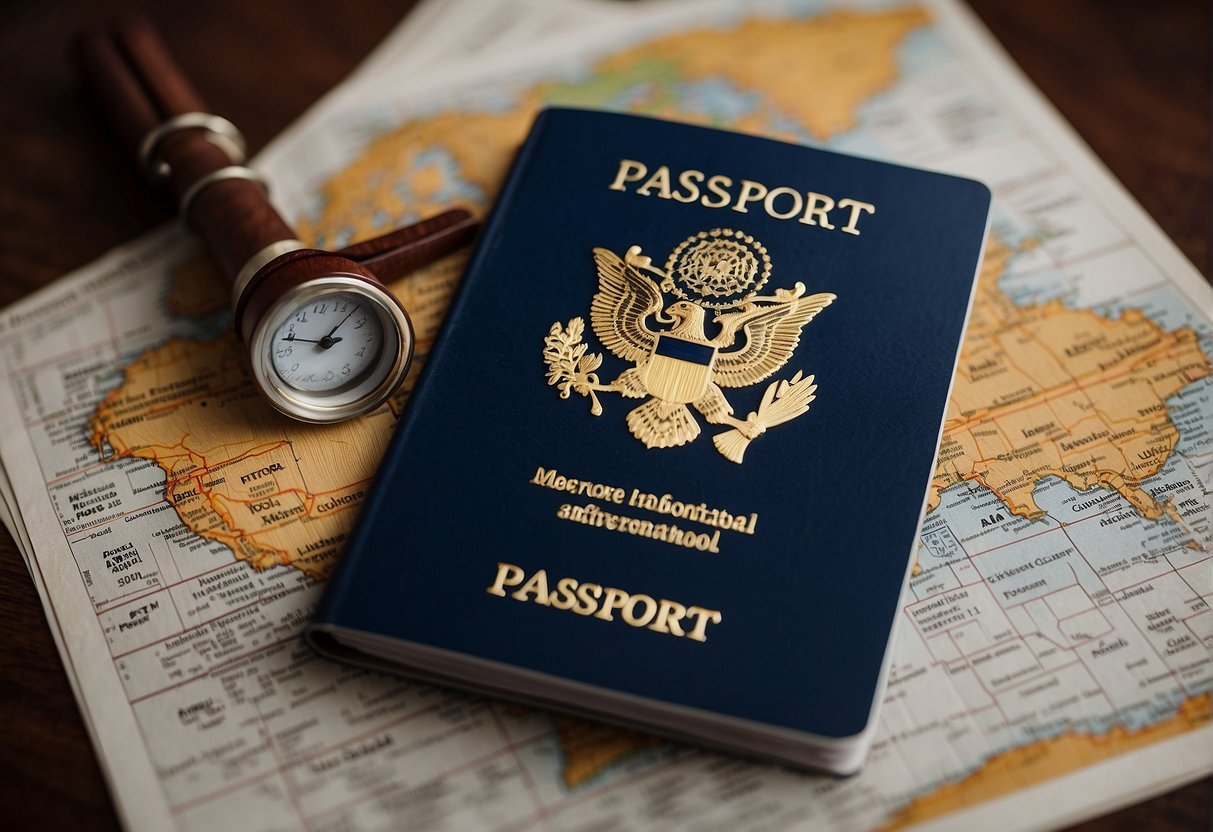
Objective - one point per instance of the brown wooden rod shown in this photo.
(140, 87)
(115, 87)
(167, 86)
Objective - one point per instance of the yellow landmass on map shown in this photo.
(274, 490)
(814, 73)
(1044, 760)
(818, 71)
(1048, 390)
(589, 747)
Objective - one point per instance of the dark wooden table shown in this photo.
(1132, 77)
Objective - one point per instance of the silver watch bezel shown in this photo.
(364, 396)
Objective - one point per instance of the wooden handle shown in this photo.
(140, 86)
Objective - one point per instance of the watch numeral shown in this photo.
(320, 308)
(301, 317)
(361, 323)
(345, 371)
(359, 354)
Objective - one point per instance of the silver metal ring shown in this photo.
(259, 261)
(229, 172)
(219, 132)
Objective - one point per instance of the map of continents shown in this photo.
(1044, 390)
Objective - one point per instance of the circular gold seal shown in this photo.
(718, 269)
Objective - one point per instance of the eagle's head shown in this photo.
(688, 319)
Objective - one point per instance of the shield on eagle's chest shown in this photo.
(679, 370)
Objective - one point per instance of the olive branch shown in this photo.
(570, 367)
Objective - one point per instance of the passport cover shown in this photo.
(667, 461)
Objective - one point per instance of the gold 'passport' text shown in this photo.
(660, 615)
(718, 191)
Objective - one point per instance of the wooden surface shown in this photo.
(1132, 77)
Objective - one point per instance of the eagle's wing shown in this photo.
(771, 335)
(625, 298)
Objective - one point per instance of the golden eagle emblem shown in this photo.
(678, 364)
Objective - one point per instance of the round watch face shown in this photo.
(328, 343)
(331, 348)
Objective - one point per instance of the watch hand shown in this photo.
(324, 342)
(343, 320)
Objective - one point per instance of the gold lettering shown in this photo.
(507, 575)
(702, 617)
(797, 203)
(614, 599)
(588, 604)
(669, 613)
(543, 477)
(629, 610)
(715, 191)
(750, 192)
(661, 180)
(688, 180)
(819, 206)
(629, 171)
(717, 185)
(637, 610)
(538, 584)
(856, 207)
(563, 598)
(557, 482)
(591, 514)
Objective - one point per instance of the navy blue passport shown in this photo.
(667, 462)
